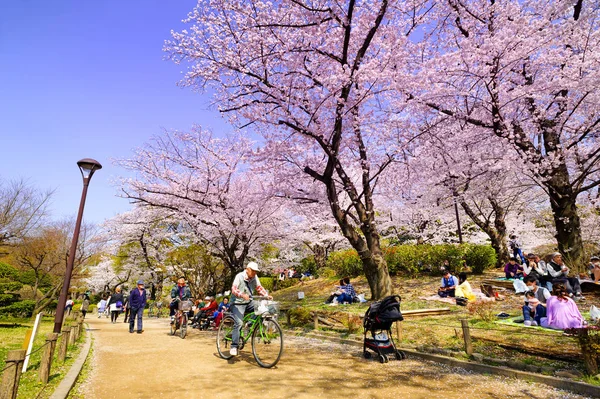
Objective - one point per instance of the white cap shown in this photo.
(253, 266)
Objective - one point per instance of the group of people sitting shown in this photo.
(555, 310)
(454, 287)
(209, 313)
(344, 293)
(547, 274)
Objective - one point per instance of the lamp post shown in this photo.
(87, 168)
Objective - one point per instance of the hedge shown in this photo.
(414, 259)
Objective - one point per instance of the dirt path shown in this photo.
(155, 364)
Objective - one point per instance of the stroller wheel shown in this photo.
(400, 355)
(383, 359)
(366, 355)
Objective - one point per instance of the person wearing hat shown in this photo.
(512, 269)
(242, 289)
(595, 269)
(137, 303)
(560, 274)
(179, 292)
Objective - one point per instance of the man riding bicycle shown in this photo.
(243, 286)
(179, 292)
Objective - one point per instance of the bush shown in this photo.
(327, 272)
(288, 282)
(414, 259)
(345, 263)
(300, 316)
(19, 309)
(267, 283)
(480, 257)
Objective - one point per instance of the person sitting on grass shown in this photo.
(512, 269)
(561, 310)
(448, 286)
(533, 310)
(541, 293)
(560, 274)
(464, 288)
(337, 292)
(348, 294)
(595, 269)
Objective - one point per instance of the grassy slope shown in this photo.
(515, 342)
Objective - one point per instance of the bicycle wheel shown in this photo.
(183, 330)
(224, 337)
(267, 343)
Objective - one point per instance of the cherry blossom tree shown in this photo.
(313, 78)
(526, 72)
(205, 183)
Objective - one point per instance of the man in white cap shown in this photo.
(244, 284)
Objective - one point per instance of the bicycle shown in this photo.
(261, 327)
(181, 318)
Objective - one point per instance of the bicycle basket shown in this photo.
(264, 306)
(186, 306)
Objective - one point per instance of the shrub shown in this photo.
(480, 257)
(482, 310)
(19, 309)
(345, 263)
(327, 272)
(288, 282)
(300, 316)
(267, 283)
(413, 259)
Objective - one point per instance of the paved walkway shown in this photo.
(155, 365)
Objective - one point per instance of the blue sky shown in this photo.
(87, 79)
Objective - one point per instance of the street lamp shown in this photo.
(87, 168)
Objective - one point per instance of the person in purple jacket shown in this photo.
(562, 311)
(137, 303)
(512, 269)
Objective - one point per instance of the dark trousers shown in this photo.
(571, 284)
(114, 315)
(540, 311)
(173, 308)
(136, 314)
(127, 314)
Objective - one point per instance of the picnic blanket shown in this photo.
(480, 296)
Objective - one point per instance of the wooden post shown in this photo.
(12, 375)
(398, 332)
(72, 335)
(47, 357)
(467, 336)
(80, 326)
(316, 320)
(288, 317)
(64, 344)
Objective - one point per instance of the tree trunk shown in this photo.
(498, 243)
(496, 233)
(568, 226)
(376, 271)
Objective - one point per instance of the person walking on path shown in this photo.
(137, 303)
(115, 304)
(85, 306)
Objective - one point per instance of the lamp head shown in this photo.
(88, 166)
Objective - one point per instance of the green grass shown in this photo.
(12, 338)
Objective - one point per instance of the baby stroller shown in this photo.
(378, 322)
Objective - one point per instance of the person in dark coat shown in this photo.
(115, 304)
(137, 303)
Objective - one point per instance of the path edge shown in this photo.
(560, 383)
(65, 386)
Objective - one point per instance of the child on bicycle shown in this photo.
(243, 286)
